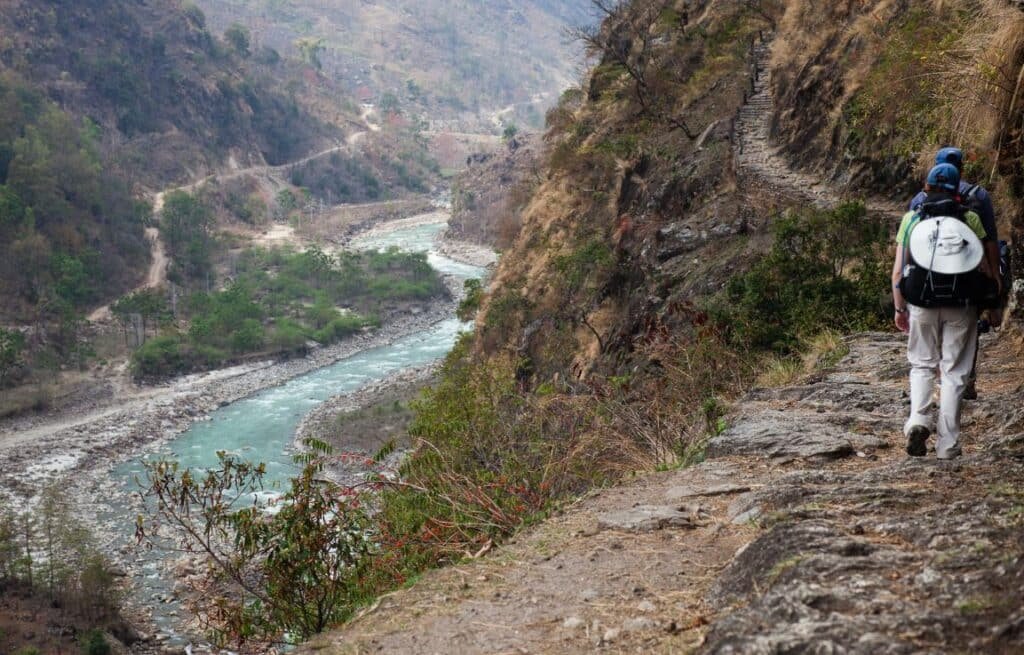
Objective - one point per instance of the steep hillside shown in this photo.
(454, 66)
(717, 209)
(708, 212)
(66, 220)
(866, 91)
(171, 100)
(109, 104)
(489, 196)
(645, 209)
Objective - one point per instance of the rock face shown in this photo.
(821, 537)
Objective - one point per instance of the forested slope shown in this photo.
(171, 99)
(451, 64)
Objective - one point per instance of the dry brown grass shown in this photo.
(816, 353)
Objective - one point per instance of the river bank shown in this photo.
(51, 452)
(95, 453)
(38, 450)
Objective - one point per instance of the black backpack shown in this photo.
(926, 288)
(970, 200)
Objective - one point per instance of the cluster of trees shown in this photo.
(186, 226)
(338, 179)
(50, 555)
(141, 310)
(277, 302)
(65, 222)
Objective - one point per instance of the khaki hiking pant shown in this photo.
(944, 338)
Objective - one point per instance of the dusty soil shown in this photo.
(28, 621)
(832, 538)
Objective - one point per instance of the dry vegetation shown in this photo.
(893, 80)
(867, 91)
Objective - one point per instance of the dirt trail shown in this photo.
(757, 156)
(807, 511)
(155, 277)
(807, 529)
(157, 274)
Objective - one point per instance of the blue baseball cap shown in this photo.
(954, 156)
(944, 176)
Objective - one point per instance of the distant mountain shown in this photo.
(172, 101)
(103, 101)
(455, 64)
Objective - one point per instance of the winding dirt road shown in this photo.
(155, 277)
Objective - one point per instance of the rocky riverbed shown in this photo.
(31, 459)
(79, 447)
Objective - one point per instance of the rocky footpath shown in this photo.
(806, 530)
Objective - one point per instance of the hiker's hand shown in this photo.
(995, 317)
(903, 321)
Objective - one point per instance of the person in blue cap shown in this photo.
(974, 196)
(942, 331)
(978, 199)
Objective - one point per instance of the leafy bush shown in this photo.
(288, 337)
(170, 355)
(470, 305)
(341, 327)
(825, 270)
(159, 356)
(95, 643)
(248, 337)
(297, 567)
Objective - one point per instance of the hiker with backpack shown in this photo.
(941, 276)
(977, 198)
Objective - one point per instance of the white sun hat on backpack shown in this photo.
(946, 244)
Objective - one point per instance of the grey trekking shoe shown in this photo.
(917, 441)
(950, 453)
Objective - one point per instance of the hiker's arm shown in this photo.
(902, 317)
(991, 262)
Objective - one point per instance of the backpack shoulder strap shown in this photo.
(914, 220)
(972, 191)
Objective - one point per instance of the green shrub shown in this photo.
(470, 305)
(288, 336)
(341, 327)
(249, 337)
(825, 270)
(95, 643)
(203, 356)
(159, 356)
